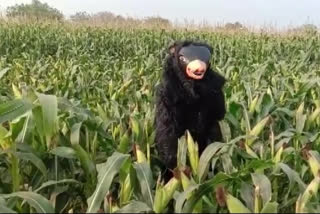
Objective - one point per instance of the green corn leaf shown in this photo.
(135, 207)
(145, 179)
(136, 128)
(204, 189)
(250, 151)
(227, 164)
(126, 190)
(49, 106)
(4, 209)
(36, 161)
(170, 188)
(3, 72)
(85, 160)
(182, 152)
(235, 205)
(16, 92)
(303, 199)
(313, 116)
(193, 152)
(185, 181)
(51, 183)
(124, 145)
(20, 135)
(253, 105)
(13, 109)
(314, 162)
(292, 175)
(205, 158)
(300, 119)
(106, 173)
(247, 194)
(277, 157)
(159, 197)
(225, 130)
(41, 204)
(262, 181)
(75, 134)
(64, 152)
(141, 157)
(256, 130)
(183, 196)
(270, 207)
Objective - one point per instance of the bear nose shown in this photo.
(197, 70)
(196, 66)
(200, 69)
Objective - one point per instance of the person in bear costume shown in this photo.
(189, 97)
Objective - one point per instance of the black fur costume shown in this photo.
(183, 103)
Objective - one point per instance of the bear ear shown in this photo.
(172, 48)
(210, 48)
(175, 45)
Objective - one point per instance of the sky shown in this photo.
(277, 13)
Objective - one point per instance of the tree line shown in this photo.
(38, 10)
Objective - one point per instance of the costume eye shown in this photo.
(182, 59)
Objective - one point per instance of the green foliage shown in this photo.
(77, 135)
(35, 9)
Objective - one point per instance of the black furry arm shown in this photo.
(166, 138)
(218, 106)
(215, 110)
(216, 99)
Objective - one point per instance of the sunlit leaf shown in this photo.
(106, 173)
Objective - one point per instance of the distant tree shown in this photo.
(305, 28)
(234, 26)
(309, 28)
(35, 9)
(156, 20)
(104, 16)
(80, 16)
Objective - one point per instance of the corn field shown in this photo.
(77, 135)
